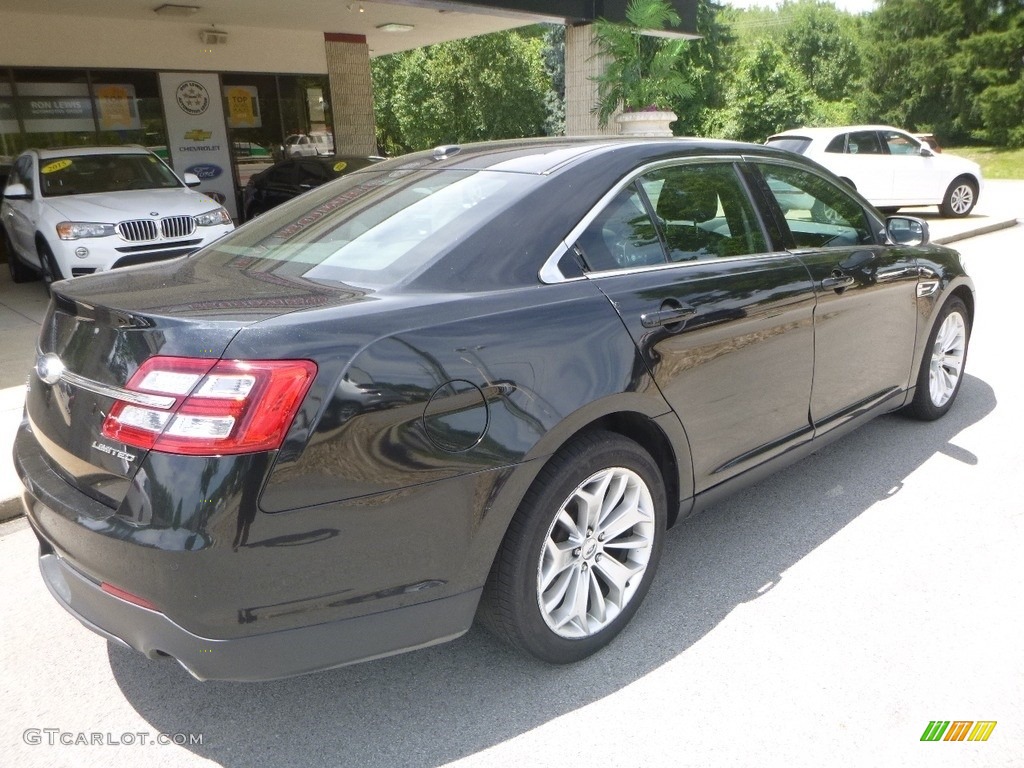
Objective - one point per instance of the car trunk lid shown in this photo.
(99, 330)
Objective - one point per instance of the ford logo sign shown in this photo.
(49, 368)
(205, 170)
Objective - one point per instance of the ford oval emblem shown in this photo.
(205, 171)
(49, 368)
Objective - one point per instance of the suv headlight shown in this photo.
(73, 230)
(213, 218)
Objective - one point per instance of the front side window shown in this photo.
(900, 144)
(86, 174)
(818, 212)
(21, 172)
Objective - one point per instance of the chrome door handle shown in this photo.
(666, 316)
(837, 282)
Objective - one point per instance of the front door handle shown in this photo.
(670, 312)
(837, 282)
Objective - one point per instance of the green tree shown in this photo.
(383, 71)
(487, 87)
(950, 66)
(707, 62)
(769, 95)
(553, 55)
(824, 43)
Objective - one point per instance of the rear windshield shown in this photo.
(371, 228)
(86, 174)
(796, 144)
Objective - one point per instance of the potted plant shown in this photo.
(642, 73)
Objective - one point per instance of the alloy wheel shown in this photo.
(961, 200)
(947, 358)
(595, 553)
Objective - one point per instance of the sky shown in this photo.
(853, 6)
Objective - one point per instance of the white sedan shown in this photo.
(71, 212)
(889, 167)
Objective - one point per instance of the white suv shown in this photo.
(309, 145)
(889, 167)
(71, 212)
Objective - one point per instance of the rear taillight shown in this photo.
(202, 407)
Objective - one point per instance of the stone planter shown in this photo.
(646, 123)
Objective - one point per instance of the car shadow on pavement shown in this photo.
(440, 704)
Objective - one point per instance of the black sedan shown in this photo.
(475, 382)
(290, 178)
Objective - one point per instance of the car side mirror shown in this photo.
(906, 230)
(17, 192)
(927, 152)
(192, 181)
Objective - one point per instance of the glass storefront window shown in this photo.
(54, 107)
(254, 122)
(128, 109)
(306, 111)
(11, 140)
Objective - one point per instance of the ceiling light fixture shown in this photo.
(172, 9)
(395, 27)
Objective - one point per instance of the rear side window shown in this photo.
(622, 235)
(703, 211)
(796, 144)
(819, 213)
(838, 145)
(700, 211)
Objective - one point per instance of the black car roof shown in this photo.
(547, 155)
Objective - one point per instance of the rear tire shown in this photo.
(941, 373)
(20, 272)
(581, 551)
(960, 198)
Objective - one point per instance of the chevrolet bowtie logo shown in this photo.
(198, 134)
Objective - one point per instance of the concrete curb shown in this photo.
(984, 229)
(10, 509)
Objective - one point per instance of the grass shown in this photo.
(995, 163)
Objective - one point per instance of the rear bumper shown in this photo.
(257, 657)
(285, 595)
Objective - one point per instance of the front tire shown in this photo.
(960, 198)
(581, 551)
(50, 269)
(941, 374)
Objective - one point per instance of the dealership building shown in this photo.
(217, 86)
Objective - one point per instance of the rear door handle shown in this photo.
(670, 312)
(837, 282)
